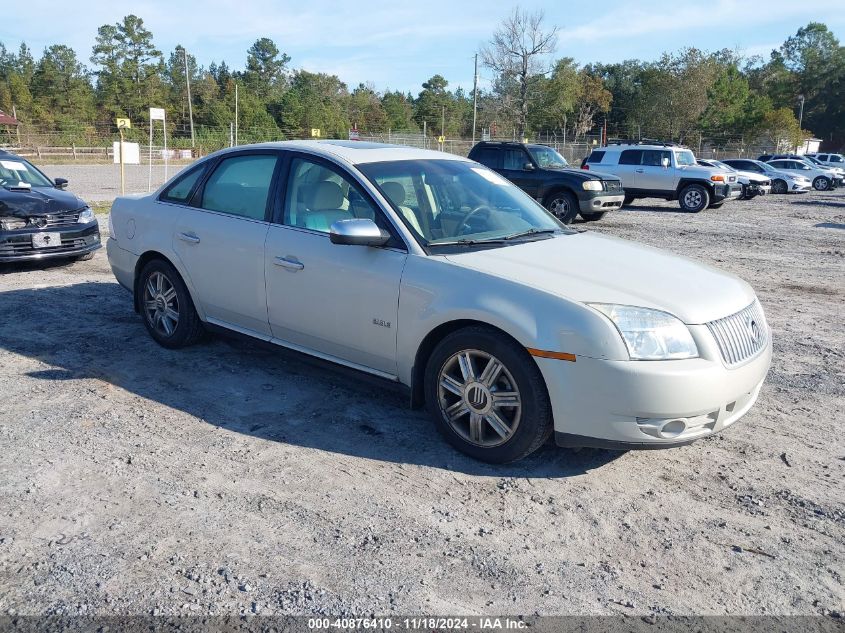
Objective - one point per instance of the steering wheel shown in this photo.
(465, 220)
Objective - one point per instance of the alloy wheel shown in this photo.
(692, 199)
(479, 398)
(560, 207)
(161, 304)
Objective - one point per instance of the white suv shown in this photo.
(831, 160)
(665, 171)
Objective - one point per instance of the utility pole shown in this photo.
(474, 98)
(236, 114)
(190, 105)
(443, 122)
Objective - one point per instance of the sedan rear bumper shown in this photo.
(18, 246)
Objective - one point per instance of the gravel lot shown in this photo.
(229, 478)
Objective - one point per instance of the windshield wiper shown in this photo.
(531, 231)
(466, 242)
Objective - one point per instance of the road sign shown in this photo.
(441, 139)
(156, 114)
(123, 124)
(315, 132)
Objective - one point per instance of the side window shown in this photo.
(631, 157)
(654, 157)
(318, 196)
(821, 157)
(488, 156)
(183, 187)
(835, 158)
(240, 186)
(514, 159)
(595, 157)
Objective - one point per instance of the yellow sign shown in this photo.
(315, 132)
(441, 139)
(124, 124)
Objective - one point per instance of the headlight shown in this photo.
(591, 185)
(12, 223)
(86, 216)
(650, 334)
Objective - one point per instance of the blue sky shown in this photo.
(399, 44)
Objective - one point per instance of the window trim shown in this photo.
(272, 199)
(397, 242)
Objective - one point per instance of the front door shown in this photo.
(335, 300)
(518, 167)
(221, 241)
(652, 175)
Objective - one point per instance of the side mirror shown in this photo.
(665, 162)
(528, 167)
(357, 232)
(61, 183)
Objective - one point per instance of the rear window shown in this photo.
(631, 157)
(596, 157)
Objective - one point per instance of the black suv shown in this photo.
(545, 175)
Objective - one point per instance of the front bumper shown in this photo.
(17, 245)
(650, 404)
(601, 203)
(754, 189)
(726, 192)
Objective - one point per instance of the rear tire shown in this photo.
(563, 205)
(166, 306)
(694, 198)
(487, 396)
(593, 217)
(628, 201)
(821, 183)
(779, 186)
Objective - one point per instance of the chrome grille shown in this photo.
(54, 219)
(742, 335)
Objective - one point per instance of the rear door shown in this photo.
(629, 166)
(220, 241)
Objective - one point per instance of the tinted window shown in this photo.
(595, 157)
(487, 156)
(240, 185)
(835, 158)
(318, 196)
(654, 157)
(820, 156)
(183, 187)
(514, 159)
(631, 157)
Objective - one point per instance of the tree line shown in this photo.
(690, 95)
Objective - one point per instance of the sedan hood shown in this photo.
(37, 201)
(589, 267)
(753, 176)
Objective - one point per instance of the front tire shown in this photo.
(166, 306)
(694, 198)
(628, 201)
(563, 205)
(593, 217)
(821, 183)
(779, 186)
(486, 395)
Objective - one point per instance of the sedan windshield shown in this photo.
(451, 202)
(547, 158)
(18, 172)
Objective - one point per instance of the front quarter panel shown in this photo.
(435, 291)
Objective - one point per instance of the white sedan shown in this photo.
(429, 270)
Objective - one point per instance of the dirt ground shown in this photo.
(229, 478)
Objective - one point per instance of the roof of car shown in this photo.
(357, 152)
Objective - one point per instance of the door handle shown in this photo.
(640, 171)
(189, 237)
(290, 264)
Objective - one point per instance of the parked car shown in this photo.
(38, 218)
(753, 184)
(822, 179)
(831, 160)
(431, 271)
(839, 172)
(782, 181)
(545, 175)
(665, 171)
